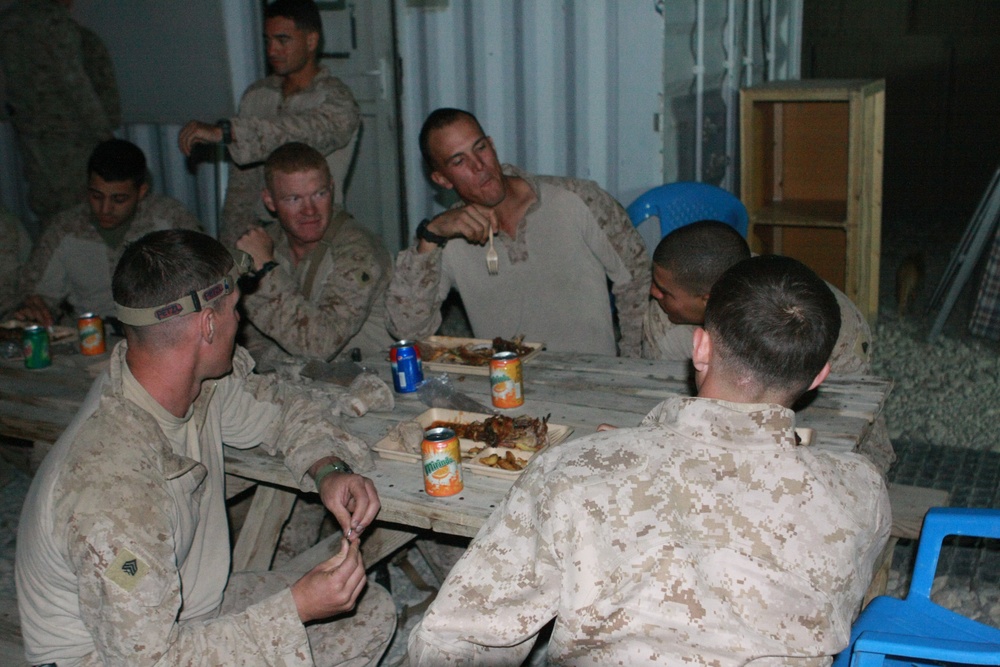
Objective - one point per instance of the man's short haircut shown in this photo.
(165, 265)
(117, 160)
(698, 253)
(292, 158)
(438, 119)
(304, 13)
(774, 322)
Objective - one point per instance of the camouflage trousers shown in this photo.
(355, 639)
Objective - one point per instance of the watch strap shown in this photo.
(425, 234)
(226, 126)
(326, 469)
(266, 269)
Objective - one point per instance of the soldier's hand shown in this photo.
(258, 244)
(353, 501)
(332, 587)
(33, 309)
(196, 132)
(471, 222)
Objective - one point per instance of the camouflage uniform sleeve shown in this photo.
(101, 72)
(630, 295)
(852, 353)
(662, 339)
(133, 619)
(319, 330)
(326, 127)
(507, 586)
(415, 294)
(173, 215)
(14, 242)
(259, 409)
(44, 274)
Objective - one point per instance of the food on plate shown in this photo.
(473, 354)
(525, 433)
(506, 462)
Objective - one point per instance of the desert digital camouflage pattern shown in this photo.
(123, 544)
(15, 247)
(323, 115)
(62, 98)
(852, 355)
(552, 284)
(703, 537)
(338, 305)
(71, 261)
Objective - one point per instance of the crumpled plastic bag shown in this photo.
(440, 392)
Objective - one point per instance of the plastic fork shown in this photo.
(492, 259)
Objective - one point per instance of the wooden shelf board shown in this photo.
(801, 213)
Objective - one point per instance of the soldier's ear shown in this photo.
(265, 194)
(312, 42)
(143, 191)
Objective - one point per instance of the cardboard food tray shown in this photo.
(454, 367)
(557, 433)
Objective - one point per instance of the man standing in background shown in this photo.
(299, 101)
(61, 96)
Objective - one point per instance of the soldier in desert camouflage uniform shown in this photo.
(686, 264)
(559, 242)
(15, 245)
(705, 536)
(123, 545)
(77, 253)
(299, 101)
(61, 95)
(321, 277)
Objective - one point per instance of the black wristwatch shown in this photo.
(227, 130)
(264, 270)
(425, 234)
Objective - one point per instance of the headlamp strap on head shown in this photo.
(192, 302)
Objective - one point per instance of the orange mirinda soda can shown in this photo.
(91, 329)
(442, 462)
(506, 380)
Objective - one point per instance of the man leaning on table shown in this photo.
(704, 536)
(123, 544)
(321, 277)
(688, 261)
(559, 241)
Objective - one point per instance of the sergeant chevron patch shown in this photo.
(127, 570)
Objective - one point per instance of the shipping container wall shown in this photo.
(606, 91)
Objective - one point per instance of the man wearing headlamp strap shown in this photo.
(123, 546)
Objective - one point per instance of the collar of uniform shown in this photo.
(742, 425)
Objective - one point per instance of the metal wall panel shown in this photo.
(592, 89)
(563, 87)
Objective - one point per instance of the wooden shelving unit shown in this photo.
(811, 177)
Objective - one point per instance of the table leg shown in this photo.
(258, 539)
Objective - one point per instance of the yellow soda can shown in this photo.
(506, 380)
(442, 459)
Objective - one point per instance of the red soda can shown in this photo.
(407, 369)
(506, 380)
(91, 329)
(442, 459)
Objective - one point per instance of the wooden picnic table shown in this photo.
(577, 390)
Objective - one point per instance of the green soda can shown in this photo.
(36, 347)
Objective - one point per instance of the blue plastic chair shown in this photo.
(915, 631)
(684, 202)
